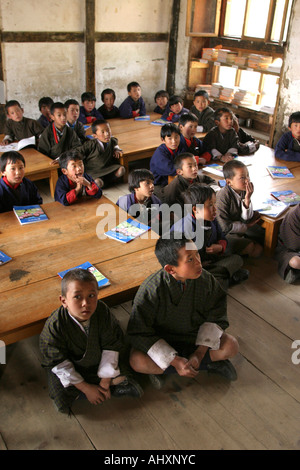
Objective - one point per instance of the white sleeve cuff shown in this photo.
(247, 213)
(8, 137)
(67, 374)
(232, 150)
(109, 364)
(215, 153)
(209, 334)
(162, 353)
(199, 128)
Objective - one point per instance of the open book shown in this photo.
(30, 214)
(127, 231)
(272, 208)
(22, 144)
(214, 168)
(101, 279)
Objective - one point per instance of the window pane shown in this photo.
(287, 20)
(234, 18)
(257, 17)
(249, 80)
(227, 76)
(270, 89)
(279, 9)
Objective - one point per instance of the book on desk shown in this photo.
(29, 214)
(101, 279)
(30, 142)
(127, 231)
(4, 258)
(279, 172)
(272, 208)
(290, 198)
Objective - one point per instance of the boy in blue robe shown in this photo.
(134, 105)
(88, 111)
(174, 109)
(288, 146)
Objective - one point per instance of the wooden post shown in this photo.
(2, 109)
(173, 48)
(90, 46)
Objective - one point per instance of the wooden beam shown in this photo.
(33, 36)
(173, 48)
(131, 37)
(90, 46)
(2, 109)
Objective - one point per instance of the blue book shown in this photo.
(159, 122)
(214, 168)
(272, 208)
(142, 118)
(290, 198)
(4, 258)
(280, 172)
(222, 183)
(127, 231)
(101, 279)
(30, 214)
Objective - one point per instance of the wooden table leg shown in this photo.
(52, 181)
(125, 163)
(271, 233)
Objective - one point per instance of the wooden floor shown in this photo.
(261, 410)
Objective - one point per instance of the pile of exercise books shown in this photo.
(225, 55)
(216, 90)
(226, 94)
(209, 54)
(244, 97)
(259, 61)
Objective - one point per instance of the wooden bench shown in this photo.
(30, 285)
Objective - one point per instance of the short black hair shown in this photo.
(294, 117)
(162, 93)
(45, 101)
(230, 167)
(166, 249)
(220, 111)
(197, 193)
(76, 274)
(10, 157)
(178, 160)
(187, 117)
(138, 175)
(108, 91)
(131, 85)
(88, 96)
(11, 103)
(68, 156)
(57, 105)
(174, 99)
(69, 102)
(168, 129)
(97, 123)
(201, 93)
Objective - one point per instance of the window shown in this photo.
(243, 21)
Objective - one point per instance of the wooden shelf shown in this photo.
(207, 62)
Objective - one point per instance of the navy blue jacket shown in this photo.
(162, 164)
(63, 187)
(129, 105)
(149, 215)
(284, 148)
(25, 195)
(84, 116)
(196, 147)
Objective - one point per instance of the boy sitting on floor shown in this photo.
(72, 107)
(108, 109)
(179, 316)
(203, 111)
(288, 146)
(101, 155)
(235, 211)
(134, 104)
(15, 189)
(174, 109)
(212, 244)
(82, 347)
(74, 183)
(58, 137)
(45, 107)
(88, 112)
(222, 140)
(18, 127)
(188, 128)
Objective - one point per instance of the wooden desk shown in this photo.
(30, 286)
(38, 167)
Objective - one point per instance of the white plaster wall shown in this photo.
(42, 15)
(289, 92)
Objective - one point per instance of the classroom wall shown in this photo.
(32, 70)
(289, 93)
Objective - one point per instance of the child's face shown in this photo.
(108, 100)
(89, 105)
(189, 264)
(45, 111)
(225, 122)
(176, 108)
(14, 172)
(81, 299)
(162, 101)
(74, 170)
(295, 129)
(135, 92)
(59, 117)
(200, 103)
(15, 113)
(172, 142)
(208, 211)
(145, 189)
(189, 168)
(189, 129)
(103, 133)
(238, 182)
(72, 113)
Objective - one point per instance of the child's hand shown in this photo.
(94, 393)
(81, 181)
(183, 367)
(104, 385)
(214, 249)
(118, 153)
(249, 192)
(5, 142)
(226, 158)
(257, 144)
(201, 161)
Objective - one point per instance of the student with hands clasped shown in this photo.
(82, 347)
(179, 316)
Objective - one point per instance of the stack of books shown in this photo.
(207, 88)
(259, 61)
(227, 56)
(240, 60)
(226, 94)
(209, 54)
(215, 90)
(244, 97)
